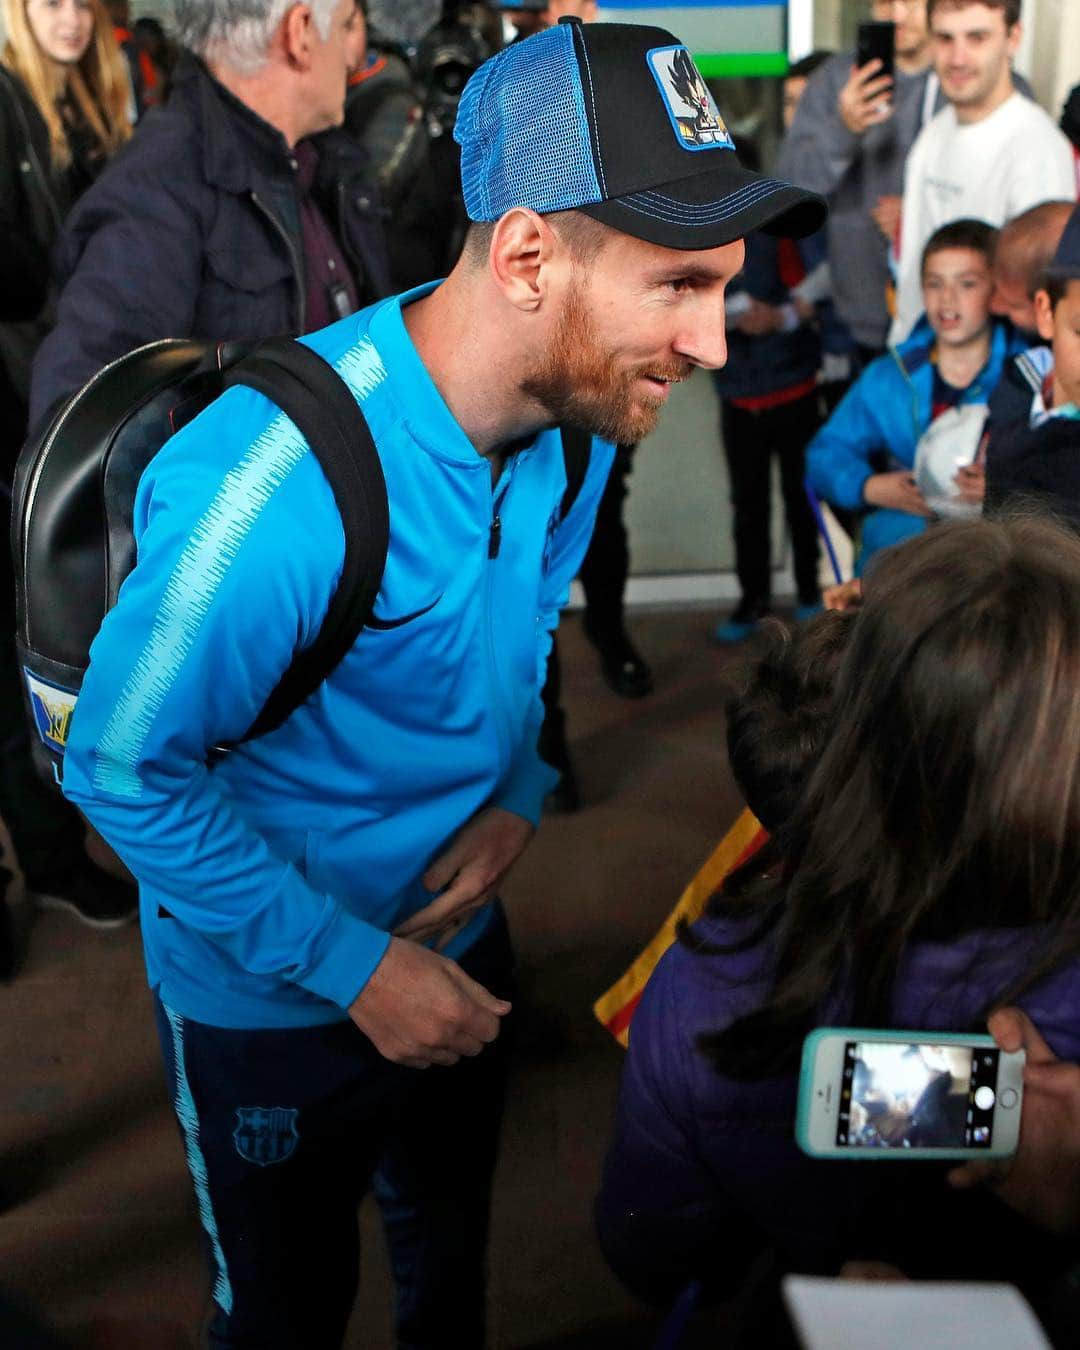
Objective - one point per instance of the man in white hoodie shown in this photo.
(989, 154)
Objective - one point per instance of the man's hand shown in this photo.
(471, 869)
(420, 1009)
(971, 484)
(887, 216)
(896, 492)
(1042, 1181)
(864, 101)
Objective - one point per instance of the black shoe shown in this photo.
(623, 665)
(88, 892)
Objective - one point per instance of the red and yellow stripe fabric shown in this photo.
(615, 1009)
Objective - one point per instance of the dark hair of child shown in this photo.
(776, 723)
(965, 233)
(946, 794)
(1055, 287)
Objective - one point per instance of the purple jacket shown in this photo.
(703, 1173)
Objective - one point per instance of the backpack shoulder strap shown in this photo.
(577, 447)
(312, 394)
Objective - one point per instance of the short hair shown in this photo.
(1009, 8)
(238, 33)
(582, 235)
(1055, 285)
(976, 235)
(776, 725)
(802, 70)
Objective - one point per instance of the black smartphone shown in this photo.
(877, 41)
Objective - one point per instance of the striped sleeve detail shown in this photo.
(213, 546)
(196, 579)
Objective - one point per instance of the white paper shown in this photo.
(873, 1315)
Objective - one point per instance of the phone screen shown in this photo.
(876, 41)
(904, 1094)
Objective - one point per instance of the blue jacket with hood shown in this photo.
(269, 884)
(888, 408)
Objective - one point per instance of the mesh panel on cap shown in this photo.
(523, 132)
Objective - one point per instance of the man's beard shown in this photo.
(580, 384)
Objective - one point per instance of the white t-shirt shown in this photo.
(990, 170)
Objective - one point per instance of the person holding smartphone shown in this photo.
(930, 873)
(849, 140)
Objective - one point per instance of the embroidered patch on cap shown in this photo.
(52, 707)
(691, 108)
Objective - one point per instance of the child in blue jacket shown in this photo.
(863, 458)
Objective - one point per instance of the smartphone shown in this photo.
(877, 41)
(907, 1094)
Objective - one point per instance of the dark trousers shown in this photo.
(285, 1131)
(604, 570)
(750, 441)
(606, 564)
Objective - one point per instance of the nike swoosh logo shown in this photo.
(385, 625)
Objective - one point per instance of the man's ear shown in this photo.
(523, 253)
(295, 31)
(1015, 36)
(1044, 316)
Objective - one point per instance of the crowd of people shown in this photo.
(319, 904)
(911, 309)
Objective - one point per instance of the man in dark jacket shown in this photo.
(224, 218)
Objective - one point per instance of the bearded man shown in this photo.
(319, 910)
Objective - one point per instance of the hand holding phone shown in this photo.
(898, 1094)
(865, 101)
(1043, 1181)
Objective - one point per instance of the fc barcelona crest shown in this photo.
(52, 707)
(690, 106)
(266, 1134)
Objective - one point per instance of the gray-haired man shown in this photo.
(223, 220)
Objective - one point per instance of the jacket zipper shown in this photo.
(498, 701)
(355, 259)
(913, 394)
(39, 466)
(294, 258)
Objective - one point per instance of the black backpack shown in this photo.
(74, 498)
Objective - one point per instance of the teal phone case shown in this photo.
(806, 1091)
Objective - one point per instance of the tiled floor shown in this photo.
(98, 1227)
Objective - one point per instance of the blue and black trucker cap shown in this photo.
(614, 119)
(1066, 263)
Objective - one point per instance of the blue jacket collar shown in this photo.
(917, 351)
(426, 413)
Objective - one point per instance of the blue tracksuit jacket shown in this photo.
(269, 883)
(889, 408)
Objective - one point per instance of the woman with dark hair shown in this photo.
(931, 871)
